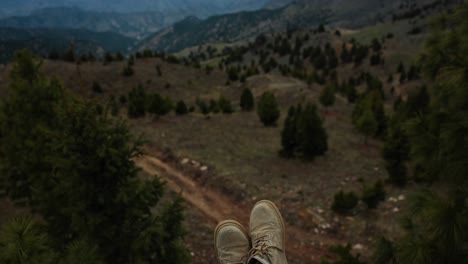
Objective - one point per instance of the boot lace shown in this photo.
(261, 247)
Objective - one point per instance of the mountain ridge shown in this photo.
(44, 40)
(295, 15)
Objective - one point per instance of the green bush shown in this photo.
(268, 109)
(97, 87)
(343, 202)
(181, 108)
(373, 195)
(225, 105)
(247, 101)
(137, 102)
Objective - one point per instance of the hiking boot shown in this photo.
(232, 243)
(267, 234)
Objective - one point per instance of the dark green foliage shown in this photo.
(376, 46)
(158, 105)
(311, 136)
(289, 133)
(26, 66)
(343, 202)
(75, 169)
(23, 241)
(327, 96)
(214, 107)
(53, 55)
(137, 102)
(321, 28)
(181, 108)
(413, 73)
(233, 73)
(68, 56)
(225, 105)
(435, 225)
(417, 103)
(373, 195)
(81, 252)
(123, 99)
(351, 94)
(376, 59)
(401, 68)
(385, 252)
(396, 152)
(369, 108)
(343, 256)
(346, 57)
(367, 124)
(108, 58)
(97, 87)
(247, 101)
(268, 109)
(113, 106)
(204, 109)
(119, 57)
(128, 70)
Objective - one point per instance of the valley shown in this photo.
(349, 117)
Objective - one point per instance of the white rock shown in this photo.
(401, 197)
(358, 247)
(184, 161)
(320, 211)
(204, 168)
(396, 210)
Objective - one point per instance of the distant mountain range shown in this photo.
(296, 14)
(200, 8)
(128, 24)
(43, 40)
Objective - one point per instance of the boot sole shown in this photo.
(278, 213)
(228, 223)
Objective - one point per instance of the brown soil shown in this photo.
(216, 206)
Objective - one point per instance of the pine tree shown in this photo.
(113, 106)
(396, 151)
(311, 136)
(367, 124)
(327, 96)
(371, 101)
(289, 132)
(435, 226)
(225, 105)
(23, 241)
(247, 101)
(80, 178)
(268, 109)
(181, 108)
(158, 105)
(137, 102)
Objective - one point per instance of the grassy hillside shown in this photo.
(296, 15)
(233, 157)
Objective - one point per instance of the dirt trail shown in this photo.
(217, 207)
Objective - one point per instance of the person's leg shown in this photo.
(267, 232)
(232, 243)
